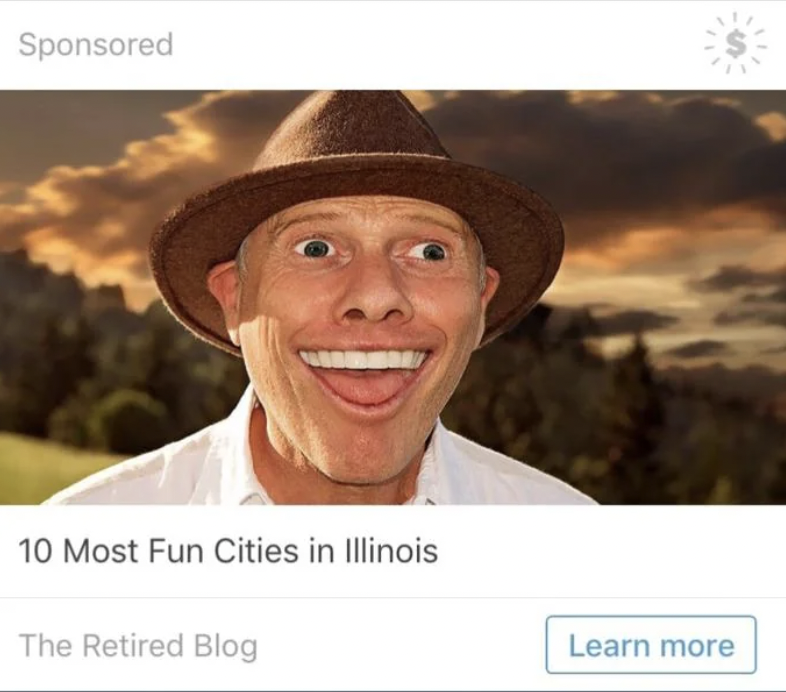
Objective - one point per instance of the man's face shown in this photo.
(356, 317)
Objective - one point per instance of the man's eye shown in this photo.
(315, 248)
(429, 251)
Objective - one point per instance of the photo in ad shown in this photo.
(391, 298)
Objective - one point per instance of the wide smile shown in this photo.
(369, 383)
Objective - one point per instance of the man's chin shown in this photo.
(349, 476)
(366, 455)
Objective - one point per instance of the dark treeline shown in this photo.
(77, 367)
(614, 428)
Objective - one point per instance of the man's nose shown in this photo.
(374, 291)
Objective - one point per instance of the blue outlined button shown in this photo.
(651, 644)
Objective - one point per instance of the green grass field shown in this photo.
(32, 470)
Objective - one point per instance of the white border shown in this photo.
(436, 44)
(475, 619)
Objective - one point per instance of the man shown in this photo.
(354, 270)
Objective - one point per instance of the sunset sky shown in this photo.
(674, 204)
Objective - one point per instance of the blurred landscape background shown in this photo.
(653, 372)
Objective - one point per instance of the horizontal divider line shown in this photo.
(409, 598)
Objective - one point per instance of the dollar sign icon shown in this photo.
(737, 47)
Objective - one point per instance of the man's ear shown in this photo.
(489, 289)
(223, 282)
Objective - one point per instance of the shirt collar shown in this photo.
(229, 477)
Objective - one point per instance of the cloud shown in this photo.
(775, 319)
(633, 321)
(774, 123)
(764, 316)
(616, 161)
(700, 349)
(776, 296)
(764, 308)
(97, 220)
(730, 277)
(773, 351)
(615, 164)
(8, 186)
(728, 317)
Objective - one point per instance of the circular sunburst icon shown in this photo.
(735, 43)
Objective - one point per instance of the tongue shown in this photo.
(366, 387)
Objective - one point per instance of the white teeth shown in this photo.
(394, 359)
(364, 360)
(355, 360)
(377, 360)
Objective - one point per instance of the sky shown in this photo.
(673, 203)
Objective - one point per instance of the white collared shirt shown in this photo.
(214, 466)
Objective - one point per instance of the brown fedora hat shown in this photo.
(349, 143)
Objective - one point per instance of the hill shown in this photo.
(33, 470)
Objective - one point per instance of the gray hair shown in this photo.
(481, 263)
(241, 258)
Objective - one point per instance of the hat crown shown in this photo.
(338, 123)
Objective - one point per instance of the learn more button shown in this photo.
(651, 644)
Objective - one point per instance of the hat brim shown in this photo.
(521, 234)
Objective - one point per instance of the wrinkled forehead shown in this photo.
(368, 209)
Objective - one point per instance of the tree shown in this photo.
(69, 422)
(50, 370)
(494, 403)
(128, 422)
(77, 361)
(632, 421)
